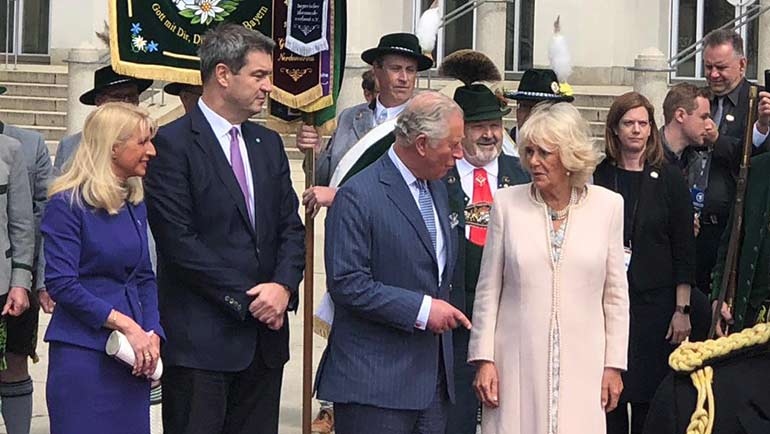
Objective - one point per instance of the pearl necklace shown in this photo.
(560, 214)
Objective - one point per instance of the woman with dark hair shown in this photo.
(659, 247)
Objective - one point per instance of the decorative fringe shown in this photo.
(295, 101)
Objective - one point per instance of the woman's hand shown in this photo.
(679, 329)
(612, 386)
(486, 383)
(146, 350)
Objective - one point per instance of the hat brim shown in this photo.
(423, 62)
(174, 88)
(539, 96)
(3, 90)
(487, 115)
(89, 98)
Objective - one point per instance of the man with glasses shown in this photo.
(109, 86)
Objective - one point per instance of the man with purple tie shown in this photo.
(230, 246)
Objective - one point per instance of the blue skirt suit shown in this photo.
(96, 262)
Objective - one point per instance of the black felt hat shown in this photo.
(539, 85)
(176, 88)
(107, 77)
(479, 103)
(402, 44)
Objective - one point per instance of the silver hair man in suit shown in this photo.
(109, 86)
(15, 382)
(388, 363)
(17, 232)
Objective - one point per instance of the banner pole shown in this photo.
(307, 329)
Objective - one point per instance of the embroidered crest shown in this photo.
(477, 214)
(481, 180)
(454, 220)
(206, 11)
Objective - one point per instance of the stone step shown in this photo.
(36, 89)
(594, 100)
(48, 132)
(33, 117)
(37, 103)
(41, 77)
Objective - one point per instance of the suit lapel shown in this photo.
(439, 194)
(363, 122)
(259, 170)
(650, 180)
(398, 192)
(207, 141)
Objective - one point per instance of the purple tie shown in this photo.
(236, 161)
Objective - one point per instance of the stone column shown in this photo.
(82, 62)
(490, 32)
(763, 51)
(651, 78)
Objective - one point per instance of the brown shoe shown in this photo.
(324, 422)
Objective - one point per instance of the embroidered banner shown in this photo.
(159, 39)
(307, 25)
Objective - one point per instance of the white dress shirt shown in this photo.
(411, 181)
(382, 113)
(221, 128)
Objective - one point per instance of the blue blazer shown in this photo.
(380, 262)
(209, 254)
(96, 262)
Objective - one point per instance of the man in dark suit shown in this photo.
(725, 68)
(230, 246)
(390, 254)
(472, 185)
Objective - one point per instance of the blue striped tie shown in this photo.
(426, 209)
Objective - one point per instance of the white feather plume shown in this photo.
(427, 27)
(558, 54)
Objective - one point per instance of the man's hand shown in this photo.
(696, 225)
(712, 132)
(17, 303)
(270, 303)
(308, 138)
(763, 120)
(443, 316)
(724, 320)
(317, 197)
(46, 302)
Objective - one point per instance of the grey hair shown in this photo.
(229, 44)
(426, 113)
(724, 36)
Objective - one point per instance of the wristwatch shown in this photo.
(683, 309)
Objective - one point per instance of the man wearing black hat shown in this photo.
(15, 382)
(471, 185)
(109, 86)
(537, 85)
(396, 61)
(188, 94)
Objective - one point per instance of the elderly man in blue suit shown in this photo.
(390, 253)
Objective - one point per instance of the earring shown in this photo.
(569, 173)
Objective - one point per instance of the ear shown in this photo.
(742, 64)
(421, 144)
(222, 74)
(679, 114)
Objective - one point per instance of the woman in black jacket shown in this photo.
(660, 250)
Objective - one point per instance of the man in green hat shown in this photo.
(471, 186)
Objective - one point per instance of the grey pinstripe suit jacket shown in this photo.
(40, 171)
(380, 263)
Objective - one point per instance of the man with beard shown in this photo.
(471, 186)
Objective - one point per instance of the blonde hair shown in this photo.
(89, 174)
(561, 126)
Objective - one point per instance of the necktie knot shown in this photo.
(480, 176)
(233, 134)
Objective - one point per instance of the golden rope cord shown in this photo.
(690, 357)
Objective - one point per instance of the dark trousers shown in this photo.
(359, 419)
(196, 401)
(618, 421)
(463, 414)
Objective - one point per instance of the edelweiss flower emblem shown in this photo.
(206, 11)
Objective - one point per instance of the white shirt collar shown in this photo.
(464, 167)
(219, 125)
(407, 174)
(391, 112)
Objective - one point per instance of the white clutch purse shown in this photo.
(118, 347)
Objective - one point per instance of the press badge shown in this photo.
(626, 257)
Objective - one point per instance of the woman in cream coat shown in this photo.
(550, 332)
